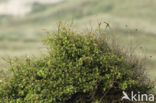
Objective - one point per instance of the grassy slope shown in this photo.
(1, 1)
(21, 34)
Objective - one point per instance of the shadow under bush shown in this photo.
(79, 68)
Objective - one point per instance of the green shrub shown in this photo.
(79, 68)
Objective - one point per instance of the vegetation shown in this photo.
(132, 23)
(79, 68)
(20, 36)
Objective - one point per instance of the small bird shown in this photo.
(107, 24)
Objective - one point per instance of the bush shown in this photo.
(79, 68)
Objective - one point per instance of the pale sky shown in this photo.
(20, 7)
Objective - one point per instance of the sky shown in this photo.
(19, 7)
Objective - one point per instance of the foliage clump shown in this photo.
(79, 68)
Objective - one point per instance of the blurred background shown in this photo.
(24, 22)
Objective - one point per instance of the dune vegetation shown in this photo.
(133, 22)
(78, 68)
(132, 25)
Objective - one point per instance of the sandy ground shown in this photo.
(20, 7)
